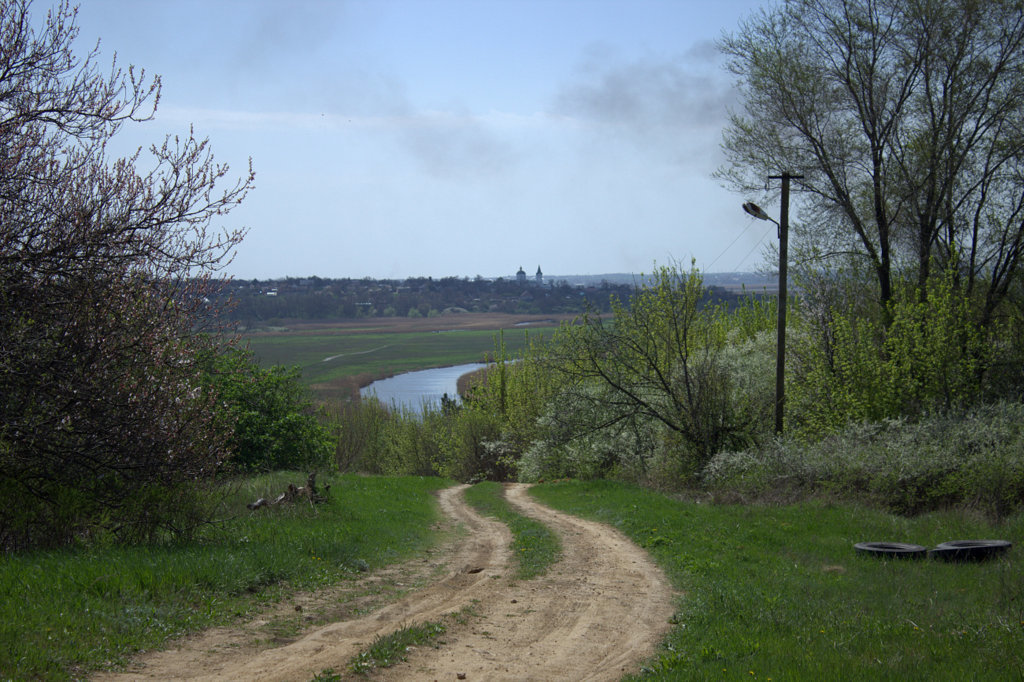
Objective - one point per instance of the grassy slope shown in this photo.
(778, 593)
(68, 611)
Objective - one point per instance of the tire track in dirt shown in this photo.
(594, 616)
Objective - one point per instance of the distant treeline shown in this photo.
(260, 301)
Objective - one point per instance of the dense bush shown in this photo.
(574, 444)
(360, 443)
(973, 459)
(275, 423)
(469, 445)
(450, 441)
(922, 356)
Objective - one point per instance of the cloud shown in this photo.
(705, 51)
(442, 145)
(456, 146)
(674, 103)
(277, 35)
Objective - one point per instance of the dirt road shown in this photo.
(594, 616)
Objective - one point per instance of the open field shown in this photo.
(778, 592)
(338, 358)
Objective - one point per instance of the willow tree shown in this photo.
(906, 118)
(105, 421)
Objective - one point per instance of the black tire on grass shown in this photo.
(970, 550)
(891, 550)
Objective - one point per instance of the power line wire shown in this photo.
(738, 237)
(761, 241)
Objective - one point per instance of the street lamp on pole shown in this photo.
(780, 353)
(758, 212)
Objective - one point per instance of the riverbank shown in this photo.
(337, 359)
(415, 390)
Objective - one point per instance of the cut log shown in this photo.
(293, 493)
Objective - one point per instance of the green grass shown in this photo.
(63, 613)
(376, 354)
(779, 593)
(387, 650)
(534, 545)
(768, 592)
(391, 649)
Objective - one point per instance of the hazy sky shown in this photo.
(396, 138)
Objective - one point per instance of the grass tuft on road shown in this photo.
(534, 545)
(779, 592)
(388, 650)
(391, 649)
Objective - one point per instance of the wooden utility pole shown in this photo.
(780, 360)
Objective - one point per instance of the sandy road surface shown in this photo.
(595, 615)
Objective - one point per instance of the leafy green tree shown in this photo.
(276, 425)
(512, 395)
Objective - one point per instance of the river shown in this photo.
(413, 390)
